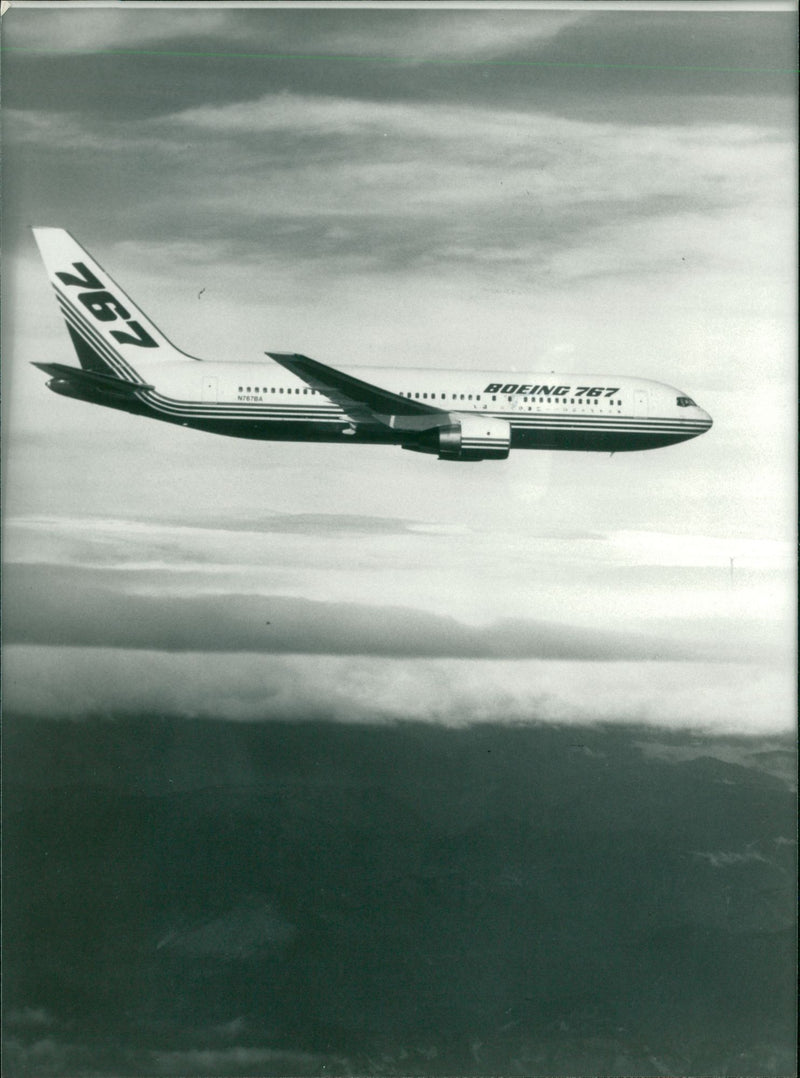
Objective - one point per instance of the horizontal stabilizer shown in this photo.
(105, 383)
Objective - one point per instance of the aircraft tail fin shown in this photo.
(111, 335)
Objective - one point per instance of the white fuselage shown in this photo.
(565, 411)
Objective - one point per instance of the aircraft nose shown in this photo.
(705, 419)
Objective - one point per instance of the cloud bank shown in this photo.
(75, 683)
(50, 606)
(379, 620)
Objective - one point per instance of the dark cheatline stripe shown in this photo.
(277, 416)
(245, 408)
(75, 323)
(619, 423)
(620, 419)
(576, 417)
(644, 427)
(649, 424)
(81, 324)
(173, 406)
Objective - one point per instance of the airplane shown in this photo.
(126, 362)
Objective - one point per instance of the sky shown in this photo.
(522, 189)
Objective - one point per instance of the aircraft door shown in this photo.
(210, 390)
(640, 402)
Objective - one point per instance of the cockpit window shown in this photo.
(686, 402)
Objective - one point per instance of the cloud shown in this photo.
(49, 605)
(670, 52)
(405, 34)
(79, 683)
(251, 927)
(243, 1060)
(727, 858)
(359, 585)
(29, 1018)
(59, 1056)
(648, 64)
(333, 185)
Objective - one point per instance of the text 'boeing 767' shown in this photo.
(127, 363)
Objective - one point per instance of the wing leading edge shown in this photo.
(362, 401)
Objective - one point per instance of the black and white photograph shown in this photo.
(399, 539)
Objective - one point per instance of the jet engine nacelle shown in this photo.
(468, 437)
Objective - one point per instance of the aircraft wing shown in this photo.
(362, 401)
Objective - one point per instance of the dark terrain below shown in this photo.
(210, 898)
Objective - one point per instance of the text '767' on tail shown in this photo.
(111, 335)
